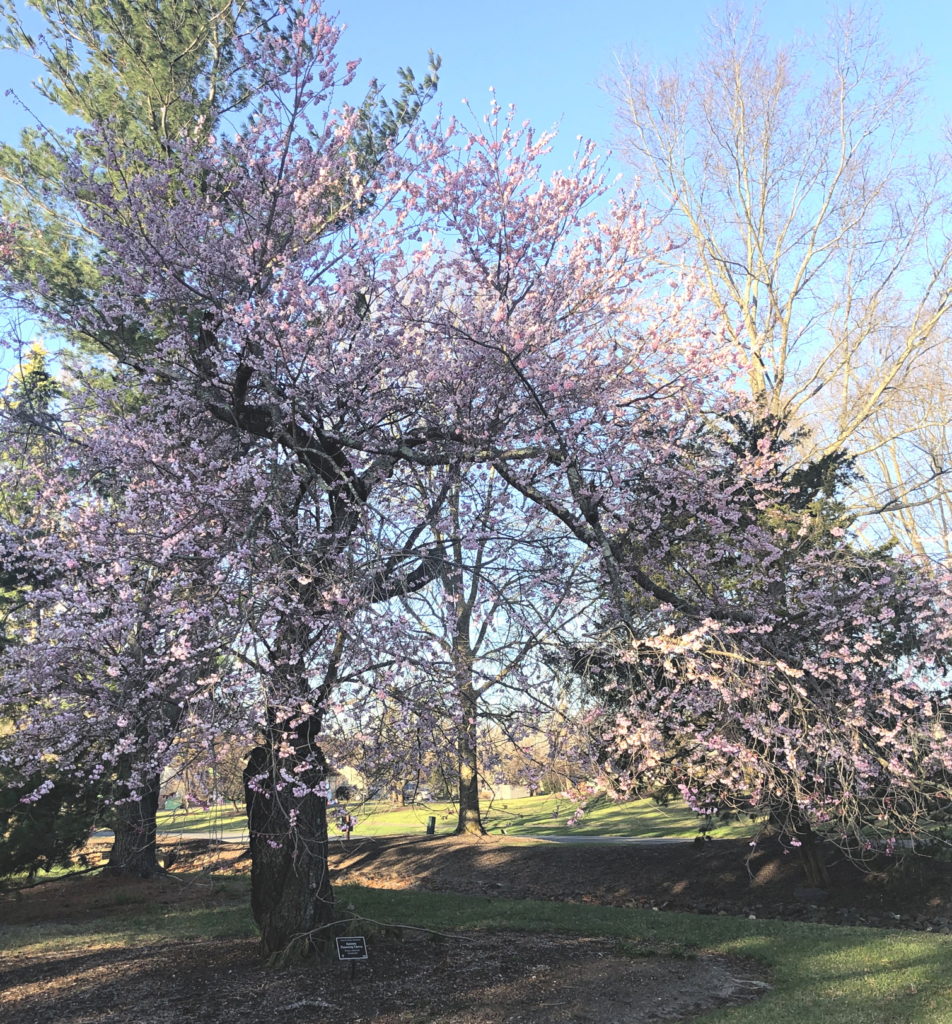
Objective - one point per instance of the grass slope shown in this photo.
(540, 815)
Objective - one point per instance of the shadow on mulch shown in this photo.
(722, 876)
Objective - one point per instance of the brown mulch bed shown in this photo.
(477, 979)
(415, 977)
(719, 877)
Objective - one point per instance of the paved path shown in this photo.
(229, 836)
(241, 836)
(611, 840)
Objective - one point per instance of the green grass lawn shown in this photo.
(540, 815)
(818, 973)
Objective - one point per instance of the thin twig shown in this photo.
(58, 878)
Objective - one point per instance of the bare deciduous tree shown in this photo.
(791, 176)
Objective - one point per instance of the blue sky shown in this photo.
(548, 57)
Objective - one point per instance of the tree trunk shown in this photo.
(811, 857)
(133, 852)
(291, 897)
(470, 821)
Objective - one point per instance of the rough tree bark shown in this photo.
(811, 858)
(470, 820)
(133, 852)
(792, 821)
(291, 897)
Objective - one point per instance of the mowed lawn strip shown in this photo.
(818, 973)
(540, 815)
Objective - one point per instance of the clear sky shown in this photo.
(548, 57)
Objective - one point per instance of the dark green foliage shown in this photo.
(159, 72)
(805, 491)
(807, 519)
(46, 833)
(383, 120)
(156, 69)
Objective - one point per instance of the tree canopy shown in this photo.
(318, 340)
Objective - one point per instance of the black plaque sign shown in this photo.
(351, 947)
